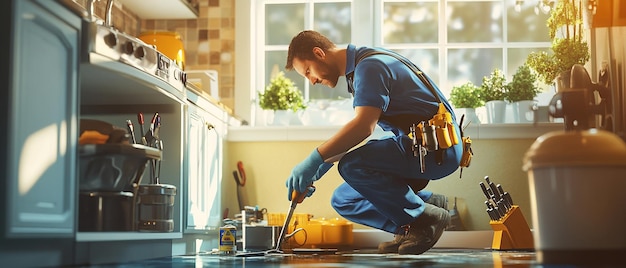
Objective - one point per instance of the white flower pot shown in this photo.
(470, 115)
(496, 111)
(523, 111)
(282, 118)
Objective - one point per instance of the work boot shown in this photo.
(424, 232)
(392, 246)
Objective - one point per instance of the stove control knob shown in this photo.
(128, 48)
(139, 52)
(110, 39)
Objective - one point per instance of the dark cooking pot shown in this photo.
(105, 211)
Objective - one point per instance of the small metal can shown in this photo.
(228, 240)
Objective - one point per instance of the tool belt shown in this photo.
(436, 135)
(433, 135)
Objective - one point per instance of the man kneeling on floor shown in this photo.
(384, 178)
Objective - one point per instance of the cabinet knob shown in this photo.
(209, 126)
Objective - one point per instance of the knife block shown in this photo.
(512, 231)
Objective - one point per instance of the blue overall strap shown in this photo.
(411, 66)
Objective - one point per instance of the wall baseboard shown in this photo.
(370, 238)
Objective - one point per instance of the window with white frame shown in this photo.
(453, 41)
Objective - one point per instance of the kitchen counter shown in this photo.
(307, 133)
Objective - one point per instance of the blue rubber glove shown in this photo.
(303, 174)
(324, 167)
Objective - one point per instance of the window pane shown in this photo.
(275, 62)
(425, 59)
(474, 22)
(324, 92)
(517, 57)
(283, 22)
(471, 64)
(526, 25)
(410, 23)
(333, 21)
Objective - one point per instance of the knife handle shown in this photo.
(495, 191)
(508, 198)
(484, 188)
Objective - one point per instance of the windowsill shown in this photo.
(315, 133)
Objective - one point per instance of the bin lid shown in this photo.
(592, 147)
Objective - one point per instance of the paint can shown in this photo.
(228, 240)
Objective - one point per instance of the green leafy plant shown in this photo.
(466, 96)
(281, 94)
(568, 48)
(523, 86)
(493, 86)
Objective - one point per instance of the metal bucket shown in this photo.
(155, 207)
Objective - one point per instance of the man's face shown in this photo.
(318, 71)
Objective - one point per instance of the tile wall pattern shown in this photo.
(209, 40)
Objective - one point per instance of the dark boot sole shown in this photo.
(419, 249)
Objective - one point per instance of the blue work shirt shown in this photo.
(384, 82)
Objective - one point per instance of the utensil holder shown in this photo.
(512, 231)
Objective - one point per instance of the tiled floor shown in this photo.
(433, 258)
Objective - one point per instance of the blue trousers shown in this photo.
(376, 190)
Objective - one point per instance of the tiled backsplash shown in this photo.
(209, 40)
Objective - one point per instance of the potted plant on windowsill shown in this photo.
(565, 26)
(283, 98)
(521, 92)
(492, 92)
(465, 99)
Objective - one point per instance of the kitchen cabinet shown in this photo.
(113, 91)
(38, 141)
(163, 9)
(204, 166)
(42, 124)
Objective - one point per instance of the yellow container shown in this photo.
(317, 233)
(326, 233)
(337, 232)
(278, 219)
(168, 43)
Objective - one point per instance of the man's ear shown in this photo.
(319, 53)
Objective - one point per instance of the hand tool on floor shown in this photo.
(296, 198)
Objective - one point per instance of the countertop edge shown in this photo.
(316, 133)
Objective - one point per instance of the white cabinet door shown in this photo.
(203, 171)
(42, 124)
